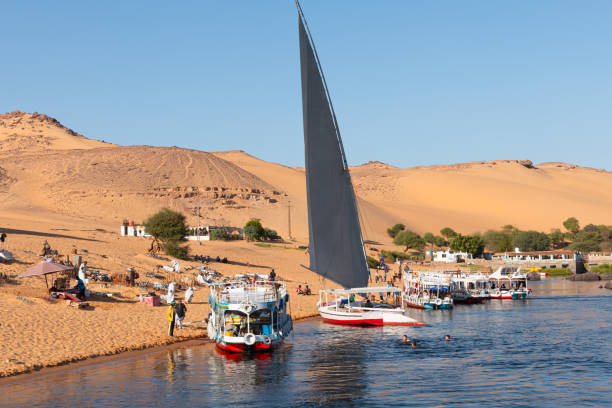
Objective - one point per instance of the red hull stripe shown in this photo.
(415, 305)
(239, 348)
(371, 322)
(356, 322)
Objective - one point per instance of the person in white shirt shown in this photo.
(170, 295)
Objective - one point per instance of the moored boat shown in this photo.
(427, 290)
(344, 309)
(248, 314)
(508, 282)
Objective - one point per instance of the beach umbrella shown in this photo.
(44, 268)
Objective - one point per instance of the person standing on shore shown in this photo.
(189, 294)
(179, 310)
(171, 319)
(170, 294)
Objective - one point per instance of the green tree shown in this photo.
(254, 231)
(439, 241)
(409, 239)
(448, 233)
(508, 227)
(498, 241)
(572, 225)
(587, 241)
(556, 236)
(169, 227)
(429, 237)
(396, 229)
(372, 262)
(219, 234)
(472, 244)
(531, 241)
(270, 234)
(175, 249)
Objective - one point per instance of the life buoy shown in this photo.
(267, 340)
(248, 308)
(249, 339)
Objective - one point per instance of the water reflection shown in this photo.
(337, 367)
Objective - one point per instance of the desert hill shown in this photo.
(22, 132)
(49, 171)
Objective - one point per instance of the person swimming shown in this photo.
(405, 339)
(413, 344)
(447, 337)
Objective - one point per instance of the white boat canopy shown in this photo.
(387, 289)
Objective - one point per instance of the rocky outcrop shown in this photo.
(585, 277)
(608, 285)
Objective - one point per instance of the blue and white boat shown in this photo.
(248, 314)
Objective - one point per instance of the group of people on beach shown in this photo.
(176, 314)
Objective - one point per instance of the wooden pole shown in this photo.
(289, 219)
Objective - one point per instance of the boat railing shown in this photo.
(245, 296)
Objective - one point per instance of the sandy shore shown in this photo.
(36, 332)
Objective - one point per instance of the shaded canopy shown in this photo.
(43, 268)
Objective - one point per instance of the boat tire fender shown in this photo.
(249, 339)
(267, 340)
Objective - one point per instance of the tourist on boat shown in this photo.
(171, 319)
(368, 303)
(272, 276)
(447, 337)
(180, 309)
(307, 291)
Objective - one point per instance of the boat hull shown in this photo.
(367, 318)
(243, 348)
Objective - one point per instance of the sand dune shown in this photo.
(22, 132)
(108, 183)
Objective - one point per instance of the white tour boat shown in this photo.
(508, 282)
(427, 290)
(248, 314)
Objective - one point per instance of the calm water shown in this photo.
(553, 349)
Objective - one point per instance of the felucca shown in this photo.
(336, 244)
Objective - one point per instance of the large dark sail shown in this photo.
(336, 245)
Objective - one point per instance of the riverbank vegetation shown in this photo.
(590, 238)
(605, 268)
(558, 272)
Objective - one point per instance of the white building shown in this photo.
(449, 256)
(133, 231)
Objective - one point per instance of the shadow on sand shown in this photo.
(10, 231)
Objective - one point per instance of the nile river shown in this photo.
(553, 349)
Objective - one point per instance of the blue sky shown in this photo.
(413, 82)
